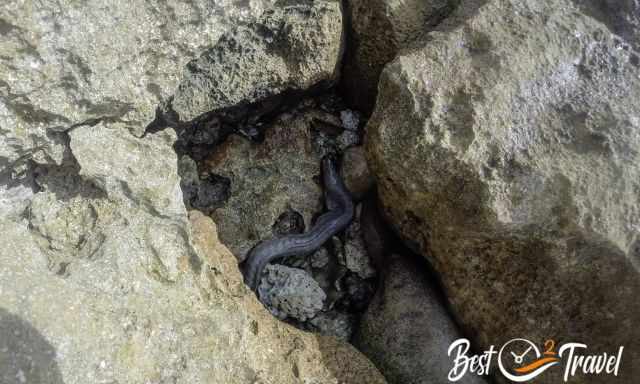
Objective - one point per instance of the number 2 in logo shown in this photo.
(549, 346)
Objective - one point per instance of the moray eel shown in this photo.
(340, 214)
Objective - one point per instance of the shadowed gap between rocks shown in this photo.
(371, 42)
(199, 137)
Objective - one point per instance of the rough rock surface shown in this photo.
(292, 47)
(407, 330)
(507, 151)
(290, 292)
(622, 17)
(156, 299)
(378, 30)
(267, 180)
(72, 63)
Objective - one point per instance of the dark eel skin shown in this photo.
(340, 214)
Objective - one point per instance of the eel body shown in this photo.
(340, 214)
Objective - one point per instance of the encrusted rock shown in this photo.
(290, 292)
(350, 120)
(356, 258)
(515, 169)
(291, 47)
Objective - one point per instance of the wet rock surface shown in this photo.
(513, 168)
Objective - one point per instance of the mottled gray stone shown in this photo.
(334, 323)
(290, 292)
(350, 119)
(356, 258)
(514, 169)
(320, 258)
(14, 195)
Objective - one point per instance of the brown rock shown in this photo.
(355, 172)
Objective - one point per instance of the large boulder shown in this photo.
(73, 63)
(507, 151)
(144, 292)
